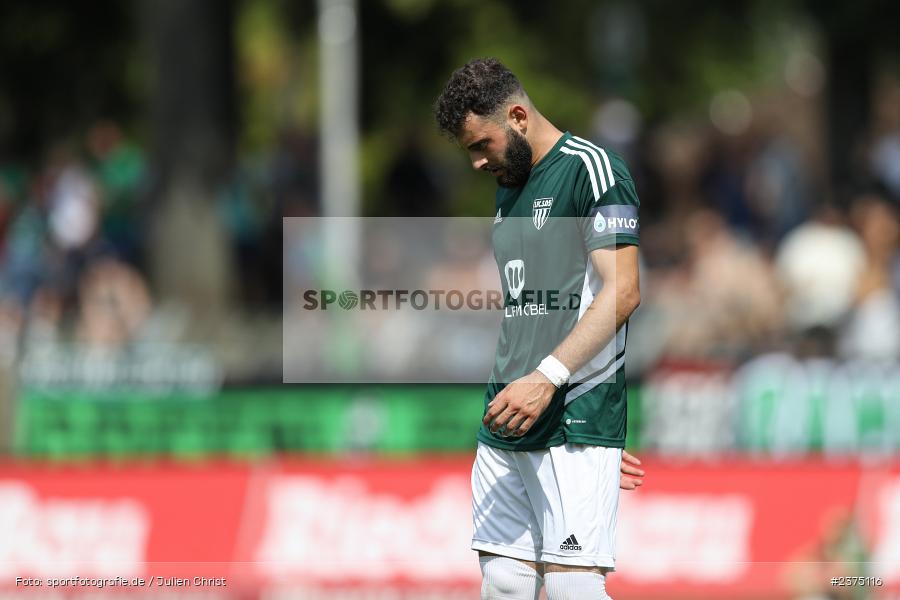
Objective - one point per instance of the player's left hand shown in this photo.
(519, 404)
(631, 476)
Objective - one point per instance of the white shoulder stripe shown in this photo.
(597, 163)
(587, 164)
(609, 172)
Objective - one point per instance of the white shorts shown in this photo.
(556, 505)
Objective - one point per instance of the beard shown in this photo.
(516, 160)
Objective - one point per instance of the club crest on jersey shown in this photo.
(540, 211)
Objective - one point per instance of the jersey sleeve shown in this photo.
(607, 203)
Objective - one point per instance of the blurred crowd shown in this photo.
(70, 236)
(753, 249)
(74, 236)
(746, 246)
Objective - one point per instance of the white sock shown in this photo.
(505, 578)
(576, 585)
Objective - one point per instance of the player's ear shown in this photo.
(517, 117)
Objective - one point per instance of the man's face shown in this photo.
(498, 149)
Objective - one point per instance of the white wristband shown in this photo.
(554, 370)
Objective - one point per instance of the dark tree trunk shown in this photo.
(849, 52)
(193, 115)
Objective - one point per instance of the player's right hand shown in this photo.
(519, 404)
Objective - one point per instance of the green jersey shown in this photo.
(578, 198)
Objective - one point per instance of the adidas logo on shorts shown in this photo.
(570, 544)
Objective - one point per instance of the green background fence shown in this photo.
(766, 408)
(329, 419)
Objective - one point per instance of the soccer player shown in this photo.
(549, 463)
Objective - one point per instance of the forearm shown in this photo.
(603, 317)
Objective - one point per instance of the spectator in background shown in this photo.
(884, 151)
(114, 304)
(119, 168)
(45, 314)
(11, 318)
(410, 188)
(74, 209)
(74, 201)
(293, 182)
(733, 283)
(7, 206)
(757, 181)
(56, 237)
(724, 183)
(820, 264)
(25, 256)
(21, 266)
(838, 547)
(872, 330)
(241, 213)
(294, 177)
(776, 188)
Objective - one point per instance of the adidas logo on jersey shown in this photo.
(570, 544)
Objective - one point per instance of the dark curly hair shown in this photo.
(481, 86)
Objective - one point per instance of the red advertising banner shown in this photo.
(400, 529)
